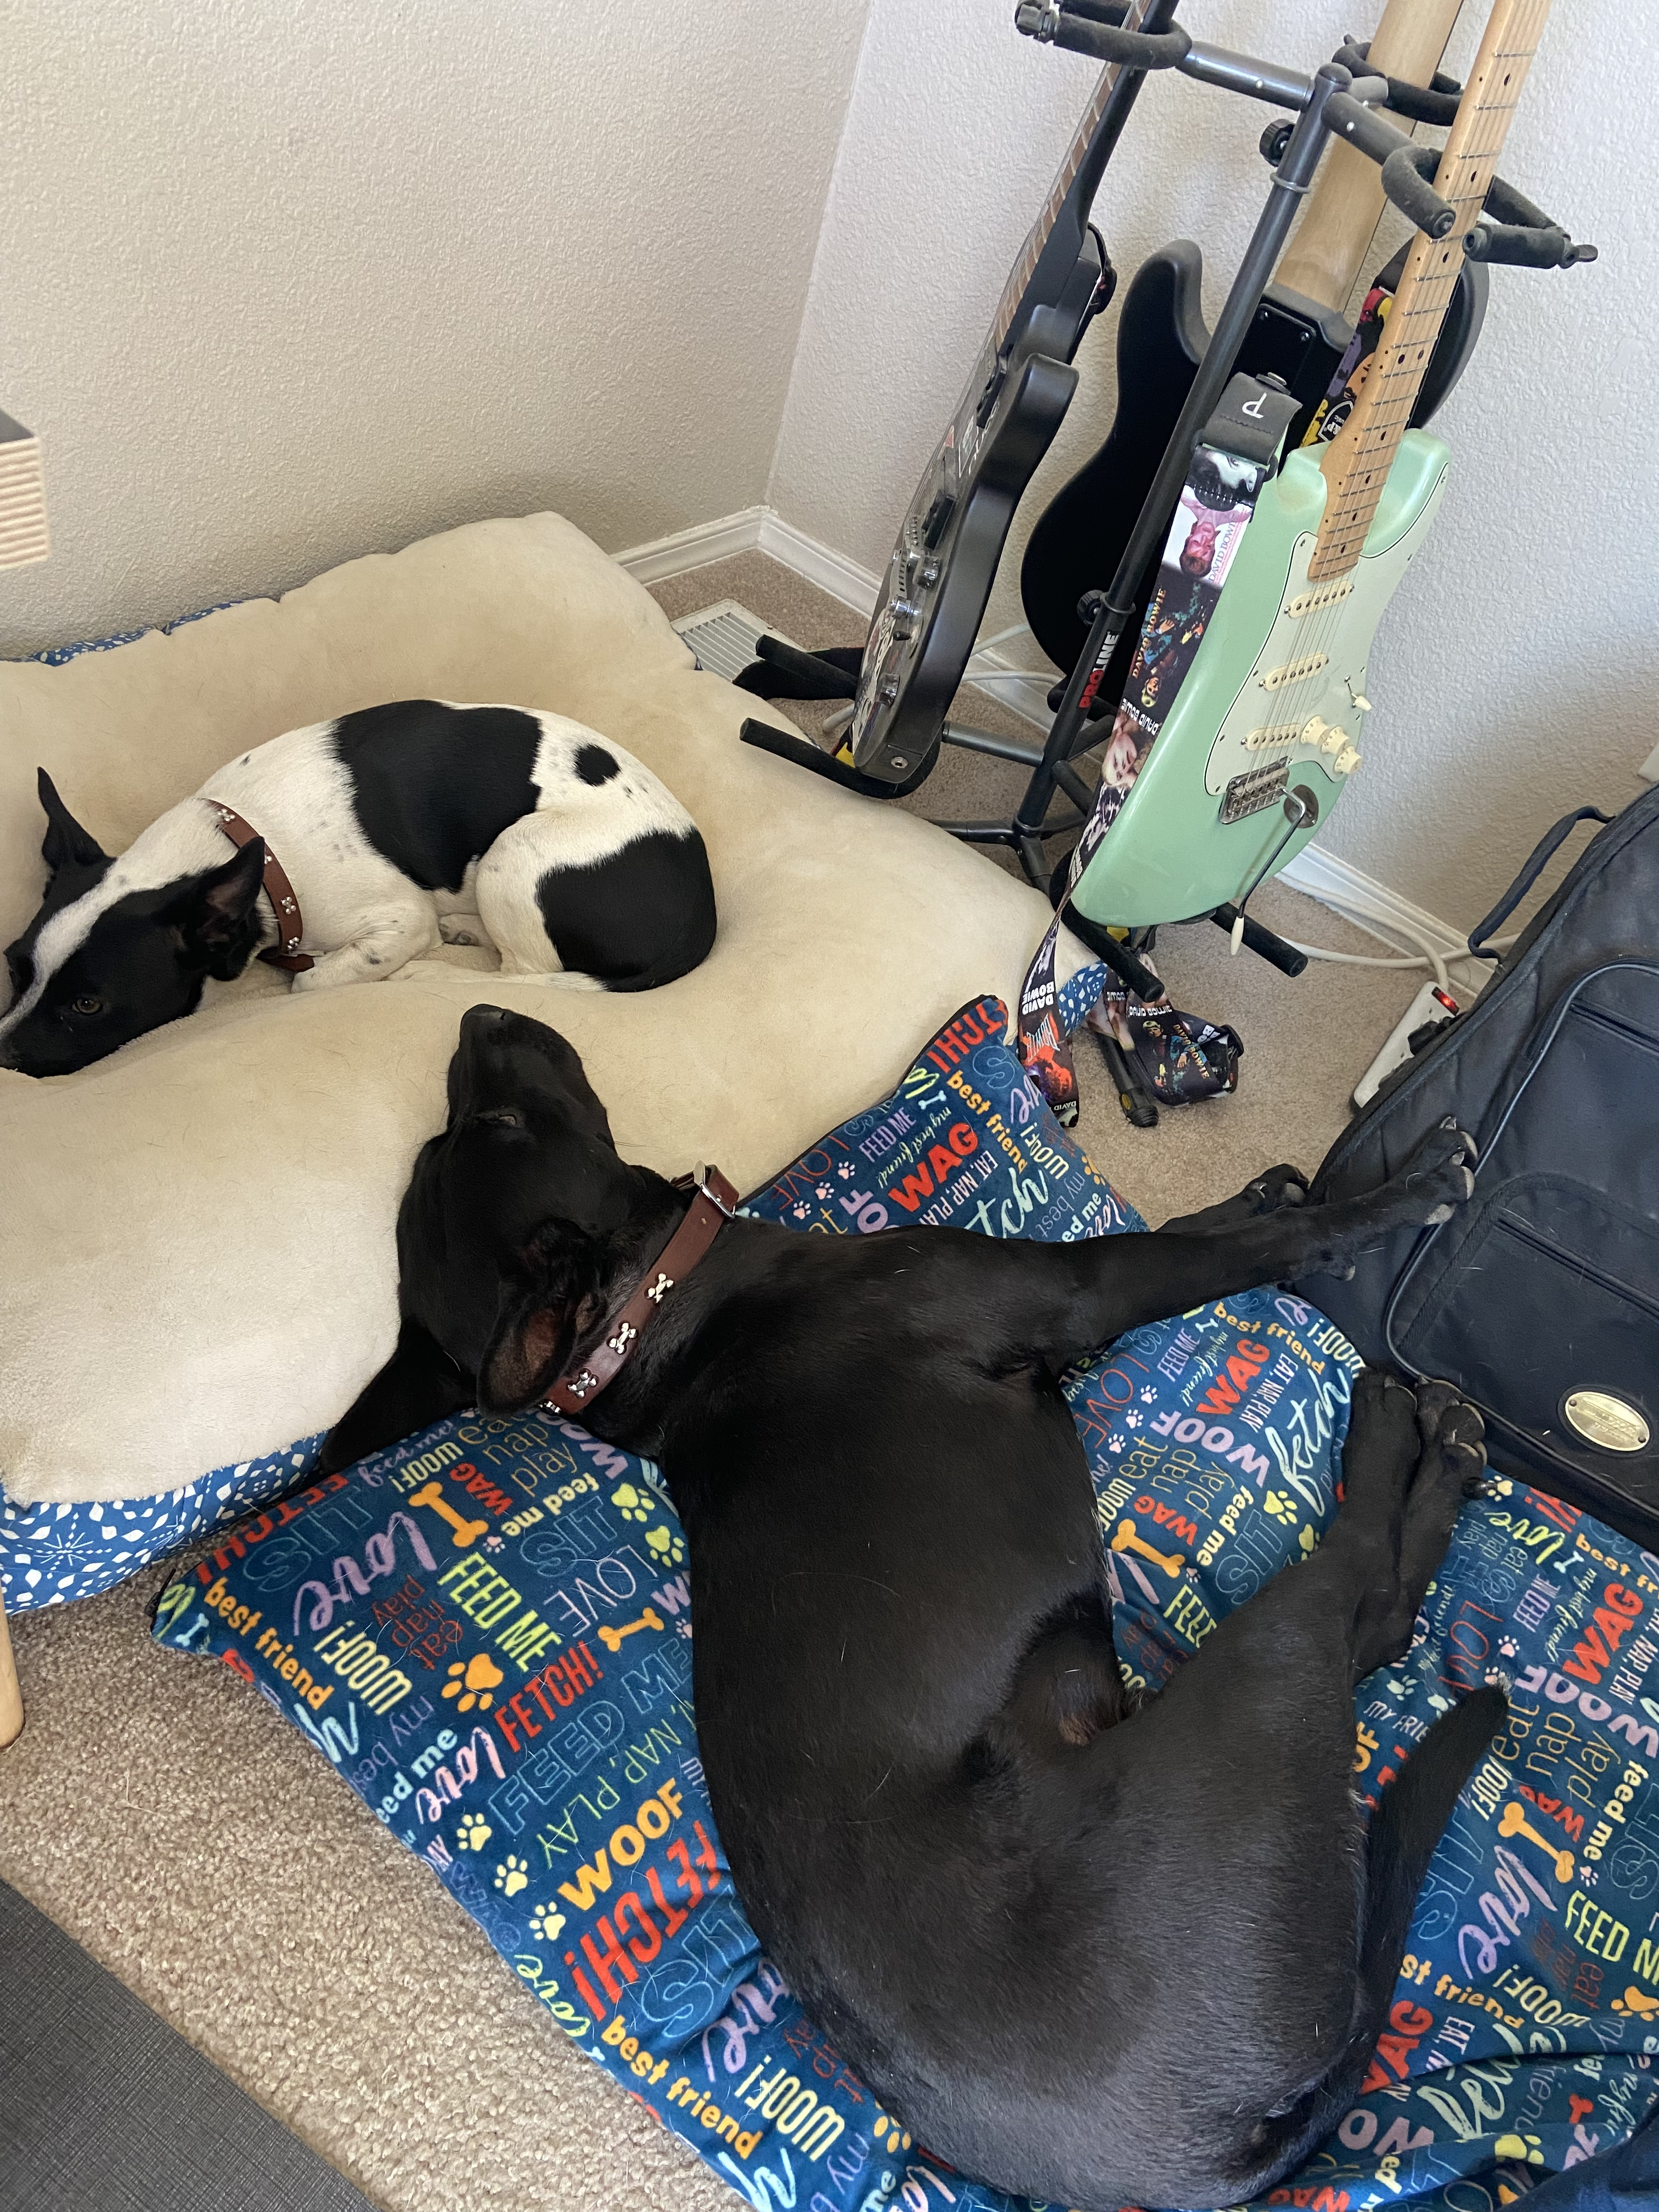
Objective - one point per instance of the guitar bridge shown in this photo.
(1256, 788)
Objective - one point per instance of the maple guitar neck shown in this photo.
(1357, 462)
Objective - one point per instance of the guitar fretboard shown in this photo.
(1020, 276)
(1357, 462)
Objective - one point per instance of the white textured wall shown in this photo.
(1514, 673)
(286, 281)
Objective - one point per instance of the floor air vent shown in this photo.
(723, 636)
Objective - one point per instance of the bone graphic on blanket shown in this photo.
(466, 1532)
(611, 1638)
(1514, 1822)
(1124, 1539)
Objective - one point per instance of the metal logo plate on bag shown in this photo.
(1603, 1419)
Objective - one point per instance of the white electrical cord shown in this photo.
(1429, 957)
(1042, 675)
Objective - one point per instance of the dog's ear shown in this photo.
(66, 844)
(418, 1385)
(214, 913)
(535, 1335)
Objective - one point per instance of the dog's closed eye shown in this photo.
(504, 1117)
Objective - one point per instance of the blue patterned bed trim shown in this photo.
(56, 656)
(49, 1553)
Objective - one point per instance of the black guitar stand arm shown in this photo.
(1520, 233)
(1434, 102)
(1086, 29)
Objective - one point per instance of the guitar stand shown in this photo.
(1339, 100)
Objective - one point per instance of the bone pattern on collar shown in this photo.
(290, 923)
(710, 1210)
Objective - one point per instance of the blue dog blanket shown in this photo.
(486, 1630)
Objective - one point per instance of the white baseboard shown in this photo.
(1349, 891)
(695, 547)
(755, 530)
(821, 565)
(1335, 883)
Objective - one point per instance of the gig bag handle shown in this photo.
(1548, 845)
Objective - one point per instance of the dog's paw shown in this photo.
(1439, 1177)
(1281, 1185)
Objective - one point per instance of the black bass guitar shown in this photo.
(945, 560)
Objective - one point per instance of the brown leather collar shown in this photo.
(290, 923)
(710, 1210)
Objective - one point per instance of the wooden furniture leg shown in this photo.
(11, 1700)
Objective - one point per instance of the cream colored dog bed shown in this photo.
(197, 1263)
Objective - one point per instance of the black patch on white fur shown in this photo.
(144, 961)
(595, 765)
(433, 787)
(609, 920)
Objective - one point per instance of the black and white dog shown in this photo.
(1099, 1952)
(395, 827)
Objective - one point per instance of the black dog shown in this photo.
(1096, 1954)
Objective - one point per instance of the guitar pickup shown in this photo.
(1322, 596)
(938, 514)
(1271, 735)
(1256, 788)
(1293, 672)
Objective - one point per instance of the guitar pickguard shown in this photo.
(1204, 820)
(1304, 698)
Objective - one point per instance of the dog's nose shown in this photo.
(484, 1017)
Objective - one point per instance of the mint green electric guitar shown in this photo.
(1267, 726)
(1274, 704)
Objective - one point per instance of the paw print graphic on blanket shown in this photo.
(473, 1682)
(1526, 2148)
(666, 1544)
(474, 1831)
(1281, 1508)
(512, 1875)
(889, 2135)
(545, 1922)
(630, 1503)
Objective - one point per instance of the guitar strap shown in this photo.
(1236, 453)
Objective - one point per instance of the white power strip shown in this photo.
(1431, 1002)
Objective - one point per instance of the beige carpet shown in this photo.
(182, 1833)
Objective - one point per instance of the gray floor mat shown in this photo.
(103, 2108)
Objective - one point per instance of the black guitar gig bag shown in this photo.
(1539, 1299)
